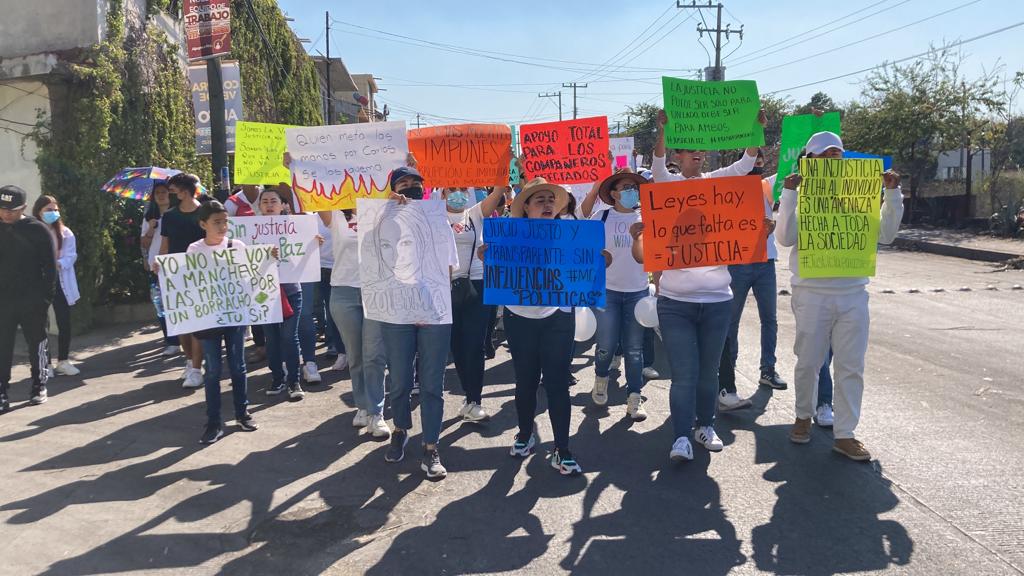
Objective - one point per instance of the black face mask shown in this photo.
(414, 192)
(756, 171)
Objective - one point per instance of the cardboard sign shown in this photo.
(711, 115)
(228, 287)
(532, 262)
(703, 222)
(295, 238)
(333, 165)
(838, 217)
(404, 254)
(514, 176)
(622, 152)
(463, 155)
(207, 28)
(569, 152)
(796, 131)
(259, 150)
(232, 77)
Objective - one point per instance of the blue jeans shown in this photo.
(694, 335)
(825, 382)
(322, 317)
(307, 329)
(469, 330)
(234, 342)
(402, 342)
(283, 344)
(617, 325)
(365, 350)
(760, 277)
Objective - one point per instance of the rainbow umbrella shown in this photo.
(137, 183)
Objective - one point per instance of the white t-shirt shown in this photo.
(154, 246)
(202, 246)
(625, 274)
(468, 228)
(240, 198)
(345, 249)
(327, 248)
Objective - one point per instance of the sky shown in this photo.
(473, 61)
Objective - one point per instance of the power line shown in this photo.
(630, 43)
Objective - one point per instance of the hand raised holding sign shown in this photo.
(793, 181)
(891, 179)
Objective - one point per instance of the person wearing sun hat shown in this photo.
(541, 340)
(831, 312)
(626, 285)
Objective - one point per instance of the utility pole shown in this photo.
(218, 128)
(552, 95)
(574, 86)
(330, 94)
(418, 123)
(715, 72)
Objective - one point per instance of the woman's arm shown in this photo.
(636, 231)
(587, 206)
(496, 198)
(68, 252)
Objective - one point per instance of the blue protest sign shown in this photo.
(886, 160)
(532, 262)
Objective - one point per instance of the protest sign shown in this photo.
(514, 176)
(463, 155)
(711, 115)
(533, 262)
(886, 160)
(294, 237)
(207, 28)
(218, 288)
(404, 254)
(796, 131)
(259, 149)
(703, 222)
(333, 165)
(622, 152)
(838, 217)
(568, 152)
(232, 77)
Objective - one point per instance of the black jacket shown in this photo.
(28, 262)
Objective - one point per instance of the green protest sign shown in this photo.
(711, 115)
(796, 130)
(259, 153)
(838, 217)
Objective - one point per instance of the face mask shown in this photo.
(757, 171)
(51, 217)
(414, 192)
(629, 198)
(457, 200)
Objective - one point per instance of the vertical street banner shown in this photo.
(569, 152)
(463, 155)
(711, 115)
(219, 288)
(404, 254)
(703, 222)
(532, 262)
(259, 153)
(332, 166)
(796, 131)
(232, 77)
(622, 152)
(838, 217)
(207, 28)
(295, 237)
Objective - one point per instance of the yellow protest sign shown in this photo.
(259, 150)
(838, 217)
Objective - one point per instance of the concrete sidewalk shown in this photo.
(959, 244)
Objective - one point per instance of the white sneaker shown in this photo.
(651, 374)
(600, 392)
(361, 419)
(170, 351)
(194, 379)
(65, 368)
(616, 363)
(187, 371)
(473, 412)
(823, 416)
(310, 373)
(377, 427)
(706, 436)
(730, 401)
(635, 407)
(340, 363)
(681, 450)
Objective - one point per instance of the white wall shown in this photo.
(20, 102)
(36, 26)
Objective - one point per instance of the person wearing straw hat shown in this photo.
(626, 284)
(541, 339)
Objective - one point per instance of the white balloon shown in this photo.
(646, 312)
(586, 324)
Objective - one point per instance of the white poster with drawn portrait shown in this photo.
(404, 255)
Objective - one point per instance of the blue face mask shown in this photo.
(629, 198)
(50, 217)
(457, 200)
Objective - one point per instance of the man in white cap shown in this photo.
(831, 311)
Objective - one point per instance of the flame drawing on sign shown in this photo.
(319, 197)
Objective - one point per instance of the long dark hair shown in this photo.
(58, 226)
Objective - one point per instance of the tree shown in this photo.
(642, 121)
(820, 101)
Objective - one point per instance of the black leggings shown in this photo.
(62, 311)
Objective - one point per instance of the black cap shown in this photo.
(12, 197)
(402, 172)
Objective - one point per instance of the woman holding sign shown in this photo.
(831, 311)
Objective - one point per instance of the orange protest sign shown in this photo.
(703, 222)
(569, 152)
(463, 155)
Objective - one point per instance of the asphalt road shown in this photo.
(108, 477)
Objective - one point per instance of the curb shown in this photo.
(954, 251)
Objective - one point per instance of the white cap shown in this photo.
(823, 141)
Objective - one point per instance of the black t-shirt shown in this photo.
(181, 229)
(28, 262)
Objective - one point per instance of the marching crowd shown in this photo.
(698, 311)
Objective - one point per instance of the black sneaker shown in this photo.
(395, 453)
(431, 464)
(275, 389)
(572, 380)
(247, 423)
(5, 402)
(38, 395)
(563, 461)
(212, 433)
(772, 380)
(295, 392)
